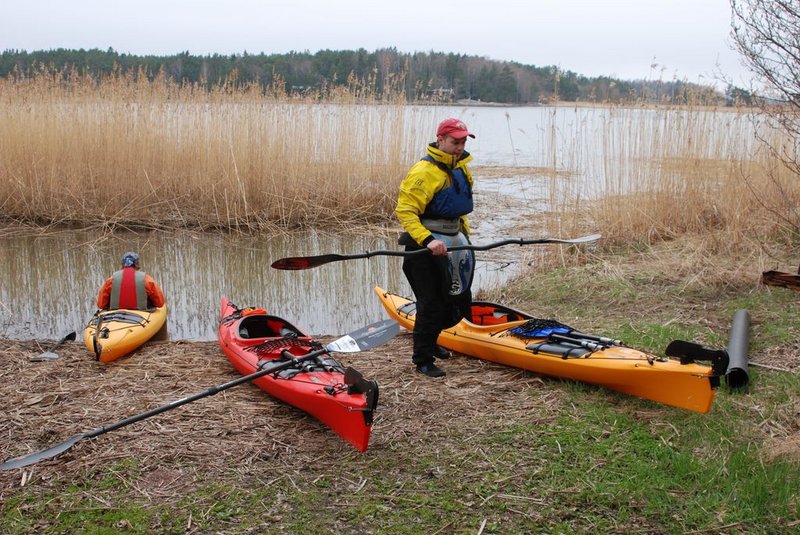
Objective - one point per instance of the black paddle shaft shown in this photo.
(307, 262)
(360, 340)
(209, 392)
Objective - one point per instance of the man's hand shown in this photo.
(438, 247)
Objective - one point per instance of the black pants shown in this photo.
(436, 308)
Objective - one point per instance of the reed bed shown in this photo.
(125, 150)
(128, 149)
(662, 172)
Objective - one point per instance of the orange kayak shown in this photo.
(340, 398)
(500, 334)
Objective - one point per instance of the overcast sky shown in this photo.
(627, 39)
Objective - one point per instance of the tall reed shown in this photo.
(127, 148)
(654, 173)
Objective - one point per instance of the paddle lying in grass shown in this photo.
(360, 340)
(308, 262)
(50, 354)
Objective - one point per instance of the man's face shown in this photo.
(451, 145)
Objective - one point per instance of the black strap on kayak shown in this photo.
(270, 347)
(238, 313)
(233, 316)
(565, 351)
(123, 317)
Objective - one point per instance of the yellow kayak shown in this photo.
(500, 334)
(112, 334)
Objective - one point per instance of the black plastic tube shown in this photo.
(736, 376)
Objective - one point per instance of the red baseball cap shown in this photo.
(454, 128)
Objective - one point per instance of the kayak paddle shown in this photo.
(307, 262)
(50, 354)
(360, 340)
(96, 345)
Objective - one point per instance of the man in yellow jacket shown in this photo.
(432, 206)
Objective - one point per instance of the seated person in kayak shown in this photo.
(130, 288)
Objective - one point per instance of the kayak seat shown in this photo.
(256, 327)
(483, 313)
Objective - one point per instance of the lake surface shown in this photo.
(49, 281)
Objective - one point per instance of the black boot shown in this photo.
(430, 369)
(442, 353)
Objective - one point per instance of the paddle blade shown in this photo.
(305, 262)
(584, 239)
(47, 356)
(365, 338)
(52, 451)
(51, 354)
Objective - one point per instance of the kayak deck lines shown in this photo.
(112, 334)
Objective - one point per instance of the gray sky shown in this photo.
(627, 39)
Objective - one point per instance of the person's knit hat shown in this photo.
(130, 259)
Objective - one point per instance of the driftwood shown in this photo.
(778, 278)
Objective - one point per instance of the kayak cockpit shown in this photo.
(266, 326)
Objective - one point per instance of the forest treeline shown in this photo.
(443, 77)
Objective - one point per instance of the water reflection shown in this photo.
(50, 282)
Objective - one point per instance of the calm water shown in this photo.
(48, 283)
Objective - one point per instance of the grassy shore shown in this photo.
(489, 449)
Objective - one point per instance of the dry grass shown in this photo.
(486, 442)
(662, 172)
(127, 150)
(236, 434)
(436, 444)
(124, 149)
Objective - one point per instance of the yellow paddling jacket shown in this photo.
(424, 181)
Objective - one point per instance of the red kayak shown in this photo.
(340, 398)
